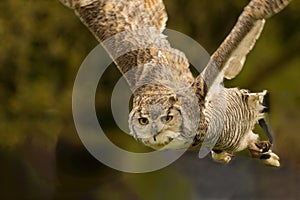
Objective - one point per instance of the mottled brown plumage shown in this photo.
(171, 109)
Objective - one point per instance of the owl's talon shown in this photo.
(261, 150)
(272, 161)
(265, 156)
(259, 147)
(222, 156)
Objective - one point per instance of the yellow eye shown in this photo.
(143, 121)
(168, 118)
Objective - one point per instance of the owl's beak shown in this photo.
(154, 137)
(154, 131)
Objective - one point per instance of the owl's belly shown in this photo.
(235, 122)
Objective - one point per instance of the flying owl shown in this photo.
(171, 108)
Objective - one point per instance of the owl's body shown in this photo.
(172, 109)
(232, 126)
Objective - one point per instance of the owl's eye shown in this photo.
(143, 121)
(167, 118)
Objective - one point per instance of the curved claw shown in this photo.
(261, 150)
(258, 148)
(270, 159)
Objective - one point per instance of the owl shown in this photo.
(171, 108)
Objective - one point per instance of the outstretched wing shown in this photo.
(106, 18)
(227, 61)
(131, 32)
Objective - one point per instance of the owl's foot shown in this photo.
(221, 156)
(261, 150)
(270, 159)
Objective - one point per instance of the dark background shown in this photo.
(41, 157)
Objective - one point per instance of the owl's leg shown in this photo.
(261, 150)
(221, 156)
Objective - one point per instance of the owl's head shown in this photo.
(163, 121)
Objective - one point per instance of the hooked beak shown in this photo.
(154, 137)
(154, 132)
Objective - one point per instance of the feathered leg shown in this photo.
(256, 105)
(262, 149)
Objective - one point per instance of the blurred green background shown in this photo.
(42, 46)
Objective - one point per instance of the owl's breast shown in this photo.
(230, 119)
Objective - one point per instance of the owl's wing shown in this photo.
(227, 61)
(131, 32)
(106, 18)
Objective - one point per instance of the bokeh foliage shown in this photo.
(41, 48)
